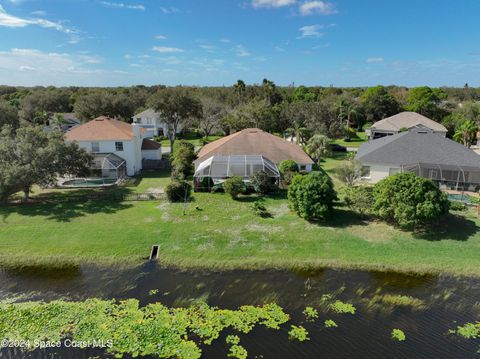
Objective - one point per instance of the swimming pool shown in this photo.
(89, 182)
(460, 198)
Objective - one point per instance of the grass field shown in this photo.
(217, 232)
(355, 142)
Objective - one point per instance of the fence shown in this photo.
(97, 196)
(162, 164)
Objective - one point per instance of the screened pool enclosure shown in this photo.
(109, 165)
(219, 168)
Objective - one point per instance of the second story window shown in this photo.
(95, 147)
(118, 146)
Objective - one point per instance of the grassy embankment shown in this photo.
(217, 232)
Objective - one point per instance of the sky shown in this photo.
(217, 42)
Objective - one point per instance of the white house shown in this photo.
(118, 147)
(62, 121)
(151, 122)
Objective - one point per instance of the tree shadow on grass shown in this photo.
(64, 210)
(452, 226)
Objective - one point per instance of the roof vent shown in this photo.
(253, 131)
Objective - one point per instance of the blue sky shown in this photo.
(214, 42)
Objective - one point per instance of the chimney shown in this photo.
(136, 130)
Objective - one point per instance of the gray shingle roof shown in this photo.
(407, 120)
(148, 113)
(417, 146)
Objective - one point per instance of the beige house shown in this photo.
(403, 121)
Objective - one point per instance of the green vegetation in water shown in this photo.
(342, 308)
(152, 291)
(299, 333)
(468, 330)
(310, 313)
(236, 350)
(400, 301)
(138, 331)
(399, 335)
(330, 324)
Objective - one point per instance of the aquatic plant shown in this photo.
(125, 328)
(152, 291)
(330, 324)
(468, 330)
(400, 301)
(299, 333)
(236, 350)
(398, 334)
(310, 313)
(342, 308)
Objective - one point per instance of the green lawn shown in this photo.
(218, 232)
(355, 142)
(197, 142)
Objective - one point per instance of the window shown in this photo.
(303, 167)
(118, 146)
(95, 147)
(366, 171)
(394, 170)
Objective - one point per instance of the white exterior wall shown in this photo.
(152, 126)
(131, 153)
(378, 172)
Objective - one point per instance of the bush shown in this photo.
(288, 169)
(260, 210)
(408, 200)
(178, 191)
(288, 166)
(262, 183)
(311, 196)
(457, 206)
(182, 158)
(359, 199)
(206, 184)
(234, 186)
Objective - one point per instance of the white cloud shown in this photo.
(279, 49)
(165, 49)
(169, 10)
(121, 5)
(90, 59)
(161, 37)
(225, 41)
(311, 31)
(39, 13)
(272, 3)
(8, 20)
(317, 7)
(207, 47)
(372, 60)
(241, 51)
(170, 60)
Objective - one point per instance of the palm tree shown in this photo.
(240, 88)
(346, 110)
(466, 133)
(317, 147)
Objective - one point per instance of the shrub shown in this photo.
(206, 184)
(359, 199)
(182, 158)
(408, 200)
(178, 191)
(311, 196)
(288, 166)
(234, 186)
(262, 183)
(457, 206)
(260, 210)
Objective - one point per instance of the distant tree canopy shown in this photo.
(297, 112)
(31, 156)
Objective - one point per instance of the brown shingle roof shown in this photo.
(150, 145)
(407, 120)
(253, 141)
(101, 129)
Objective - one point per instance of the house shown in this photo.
(423, 152)
(152, 123)
(401, 122)
(118, 147)
(245, 153)
(62, 121)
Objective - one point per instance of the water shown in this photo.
(94, 182)
(448, 302)
(460, 197)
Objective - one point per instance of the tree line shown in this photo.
(301, 112)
